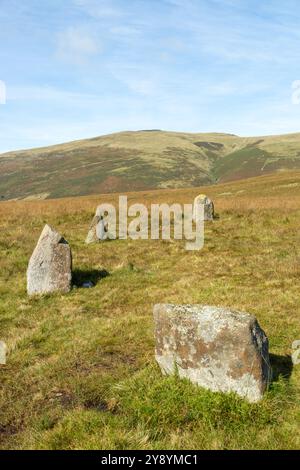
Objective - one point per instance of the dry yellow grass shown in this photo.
(81, 371)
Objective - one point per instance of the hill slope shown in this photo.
(140, 161)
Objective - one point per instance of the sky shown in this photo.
(73, 69)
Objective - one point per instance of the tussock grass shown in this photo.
(81, 372)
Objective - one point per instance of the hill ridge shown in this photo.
(143, 160)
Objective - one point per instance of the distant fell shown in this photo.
(142, 160)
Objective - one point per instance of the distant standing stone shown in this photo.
(215, 348)
(208, 206)
(3, 351)
(97, 231)
(92, 235)
(50, 266)
(296, 353)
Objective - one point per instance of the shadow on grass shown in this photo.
(282, 366)
(81, 276)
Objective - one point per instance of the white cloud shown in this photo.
(236, 88)
(75, 45)
(124, 30)
(143, 87)
(47, 93)
(138, 79)
(98, 8)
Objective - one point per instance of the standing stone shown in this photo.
(97, 230)
(209, 209)
(296, 353)
(50, 266)
(3, 351)
(215, 348)
(92, 235)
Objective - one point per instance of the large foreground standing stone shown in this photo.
(216, 348)
(50, 266)
(208, 206)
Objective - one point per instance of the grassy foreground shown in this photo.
(81, 372)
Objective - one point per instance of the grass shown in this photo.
(81, 372)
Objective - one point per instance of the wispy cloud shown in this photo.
(76, 45)
(138, 79)
(123, 30)
(44, 94)
(99, 8)
(220, 65)
(242, 30)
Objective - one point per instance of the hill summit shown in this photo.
(142, 160)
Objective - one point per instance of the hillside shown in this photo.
(81, 372)
(136, 161)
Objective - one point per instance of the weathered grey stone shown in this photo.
(296, 353)
(92, 235)
(50, 266)
(208, 205)
(97, 230)
(3, 351)
(216, 348)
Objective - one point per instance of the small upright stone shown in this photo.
(50, 266)
(206, 203)
(97, 230)
(92, 235)
(3, 351)
(215, 348)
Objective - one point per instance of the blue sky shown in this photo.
(82, 68)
